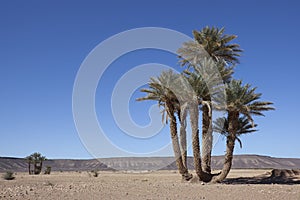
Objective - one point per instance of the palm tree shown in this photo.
(213, 83)
(195, 85)
(189, 86)
(207, 81)
(37, 159)
(210, 43)
(199, 89)
(160, 90)
(240, 100)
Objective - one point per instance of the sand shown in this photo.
(154, 185)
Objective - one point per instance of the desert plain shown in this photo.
(242, 184)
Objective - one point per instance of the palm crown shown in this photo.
(244, 127)
(160, 90)
(216, 44)
(210, 42)
(243, 99)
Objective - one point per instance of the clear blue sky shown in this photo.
(43, 43)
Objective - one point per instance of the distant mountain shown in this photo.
(150, 163)
(20, 165)
(168, 163)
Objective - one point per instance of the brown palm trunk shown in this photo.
(228, 159)
(230, 140)
(206, 138)
(35, 168)
(175, 142)
(194, 118)
(41, 166)
(29, 167)
(183, 142)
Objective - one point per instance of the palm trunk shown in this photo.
(35, 168)
(41, 166)
(232, 129)
(175, 142)
(194, 118)
(183, 142)
(228, 159)
(29, 167)
(206, 138)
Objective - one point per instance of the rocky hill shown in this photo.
(239, 162)
(150, 163)
(20, 165)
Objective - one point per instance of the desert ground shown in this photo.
(144, 185)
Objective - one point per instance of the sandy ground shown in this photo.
(154, 185)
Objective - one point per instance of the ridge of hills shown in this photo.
(148, 163)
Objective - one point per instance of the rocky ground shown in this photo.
(154, 185)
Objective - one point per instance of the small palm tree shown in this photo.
(240, 100)
(161, 89)
(37, 160)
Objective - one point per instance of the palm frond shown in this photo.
(220, 125)
(215, 43)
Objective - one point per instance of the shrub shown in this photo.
(9, 175)
(95, 173)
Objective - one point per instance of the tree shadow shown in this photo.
(277, 176)
(255, 180)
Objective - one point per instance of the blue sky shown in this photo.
(42, 45)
